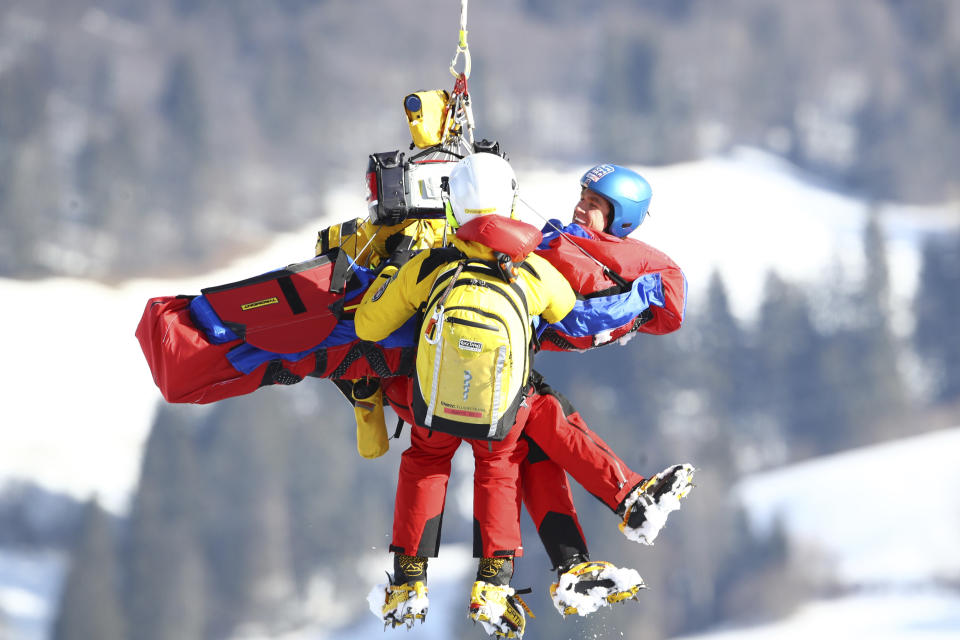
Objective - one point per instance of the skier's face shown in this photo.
(592, 212)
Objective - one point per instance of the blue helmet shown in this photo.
(627, 192)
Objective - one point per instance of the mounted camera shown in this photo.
(399, 188)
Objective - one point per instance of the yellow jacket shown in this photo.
(397, 294)
(367, 243)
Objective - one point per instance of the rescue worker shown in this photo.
(481, 185)
(553, 422)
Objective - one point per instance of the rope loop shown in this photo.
(462, 47)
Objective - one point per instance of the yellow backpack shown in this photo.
(473, 353)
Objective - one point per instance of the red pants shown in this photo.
(559, 440)
(557, 428)
(555, 439)
(422, 490)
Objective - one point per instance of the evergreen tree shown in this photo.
(726, 359)
(183, 153)
(182, 106)
(166, 573)
(109, 174)
(878, 400)
(280, 91)
(90, 602)
(937, 306)
(756, 580)
(791, 385)
(25, 86)
(11, 236)
(320, 459)
(246, 522)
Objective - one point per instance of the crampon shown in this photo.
(499, 609)
(587, 586)
(399, 604)
(647, 508)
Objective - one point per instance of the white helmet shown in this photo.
(481, 184)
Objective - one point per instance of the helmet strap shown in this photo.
(451, 219)
(447, 208)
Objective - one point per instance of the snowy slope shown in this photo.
(886, 514)
(918, 614)
(886, 519)
(29, 589)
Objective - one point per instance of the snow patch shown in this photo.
(30, 584)
(925, 614)
(870, 509)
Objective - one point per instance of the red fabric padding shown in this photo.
(184, 364)
(189, 369)
(284, 311)
(399, 393)
(515, 238)
(554, 340)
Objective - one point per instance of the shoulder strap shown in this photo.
(453, 279)
(436, 258)
(432, 330)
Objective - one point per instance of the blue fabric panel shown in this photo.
(246, 358)
(405, 336)
(365, 276)
(207, 320)
(590, 317)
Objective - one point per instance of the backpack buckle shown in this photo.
(508, 271)
(431, 334)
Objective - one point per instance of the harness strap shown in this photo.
(620, 281)
(435, 325)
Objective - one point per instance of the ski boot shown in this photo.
(646, 509)
(497, 607)
(403, 600)
(586, 586)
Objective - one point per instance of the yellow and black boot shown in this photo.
(405, 598)
(494, 604)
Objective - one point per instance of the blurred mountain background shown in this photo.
(163, 139)
(146, 137)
